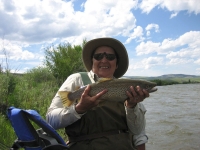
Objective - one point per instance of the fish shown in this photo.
(116, 90)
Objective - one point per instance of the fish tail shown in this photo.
(64, 97)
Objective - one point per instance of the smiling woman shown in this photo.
(104, 66)
(107, 117)
(92, 47)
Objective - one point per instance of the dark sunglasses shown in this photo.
(100, 56)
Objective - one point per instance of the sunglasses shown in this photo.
(100, 56)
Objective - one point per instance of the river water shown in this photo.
(173, 118)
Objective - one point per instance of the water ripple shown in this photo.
(173, 120)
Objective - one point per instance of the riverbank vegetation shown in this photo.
(36, 88)
(161, 82)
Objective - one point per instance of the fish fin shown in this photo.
(64, 97)
(76, 88)
(104, 79)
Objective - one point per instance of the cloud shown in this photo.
(26, 24)
(178, 61)
(145, 63)
(14, 51)
(150, 27)
(184, 53)
(44, 22)
(183, 50)
(198, 70)
(37, 21)
(190, 52)
(173, 6)
(136, 34)
(174, 15)
(186, 43)
(147, 48)
(148, 5)
(152, 61)
(197, 61)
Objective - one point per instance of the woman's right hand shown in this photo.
(87, 102)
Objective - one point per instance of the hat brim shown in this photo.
(119, 48)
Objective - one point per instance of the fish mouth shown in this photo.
(150, 90)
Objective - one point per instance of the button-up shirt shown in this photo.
(59, 116)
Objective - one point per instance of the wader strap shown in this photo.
(94, 136)
(86, 80)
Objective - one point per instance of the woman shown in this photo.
(94, 124)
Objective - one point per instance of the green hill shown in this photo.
(170, 78)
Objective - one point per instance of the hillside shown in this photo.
(168, 76)
(173, 77)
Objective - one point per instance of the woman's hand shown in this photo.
(87, 102)
(135, 96)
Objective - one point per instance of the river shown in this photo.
(173, 118)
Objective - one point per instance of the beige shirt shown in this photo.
(59, 117)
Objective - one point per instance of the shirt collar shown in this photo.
(93, 76)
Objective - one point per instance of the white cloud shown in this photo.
(152, 61)
(47, 21)
(14, 51)
(186, 43)
(150, 27)
(190, 42)
(175, 6)
(183, 50)
(37, 21)
(54, 21)
(174, 15)
(148, 5)
(147, 48)
(137, 34)
(179, 5)
(145, 63)
(184, 53)
(178, 61)
(197, 61)
(108, 18)
(148, 33)
(198, 71)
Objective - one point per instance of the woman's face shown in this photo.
(104, 68)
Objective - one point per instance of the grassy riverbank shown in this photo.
(33, 90)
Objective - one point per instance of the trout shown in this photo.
(116, 90)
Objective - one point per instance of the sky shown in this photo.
(161, 36)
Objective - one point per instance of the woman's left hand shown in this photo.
(135, 96)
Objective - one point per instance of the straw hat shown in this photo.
(119, 48)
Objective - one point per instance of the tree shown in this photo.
(64, 60)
